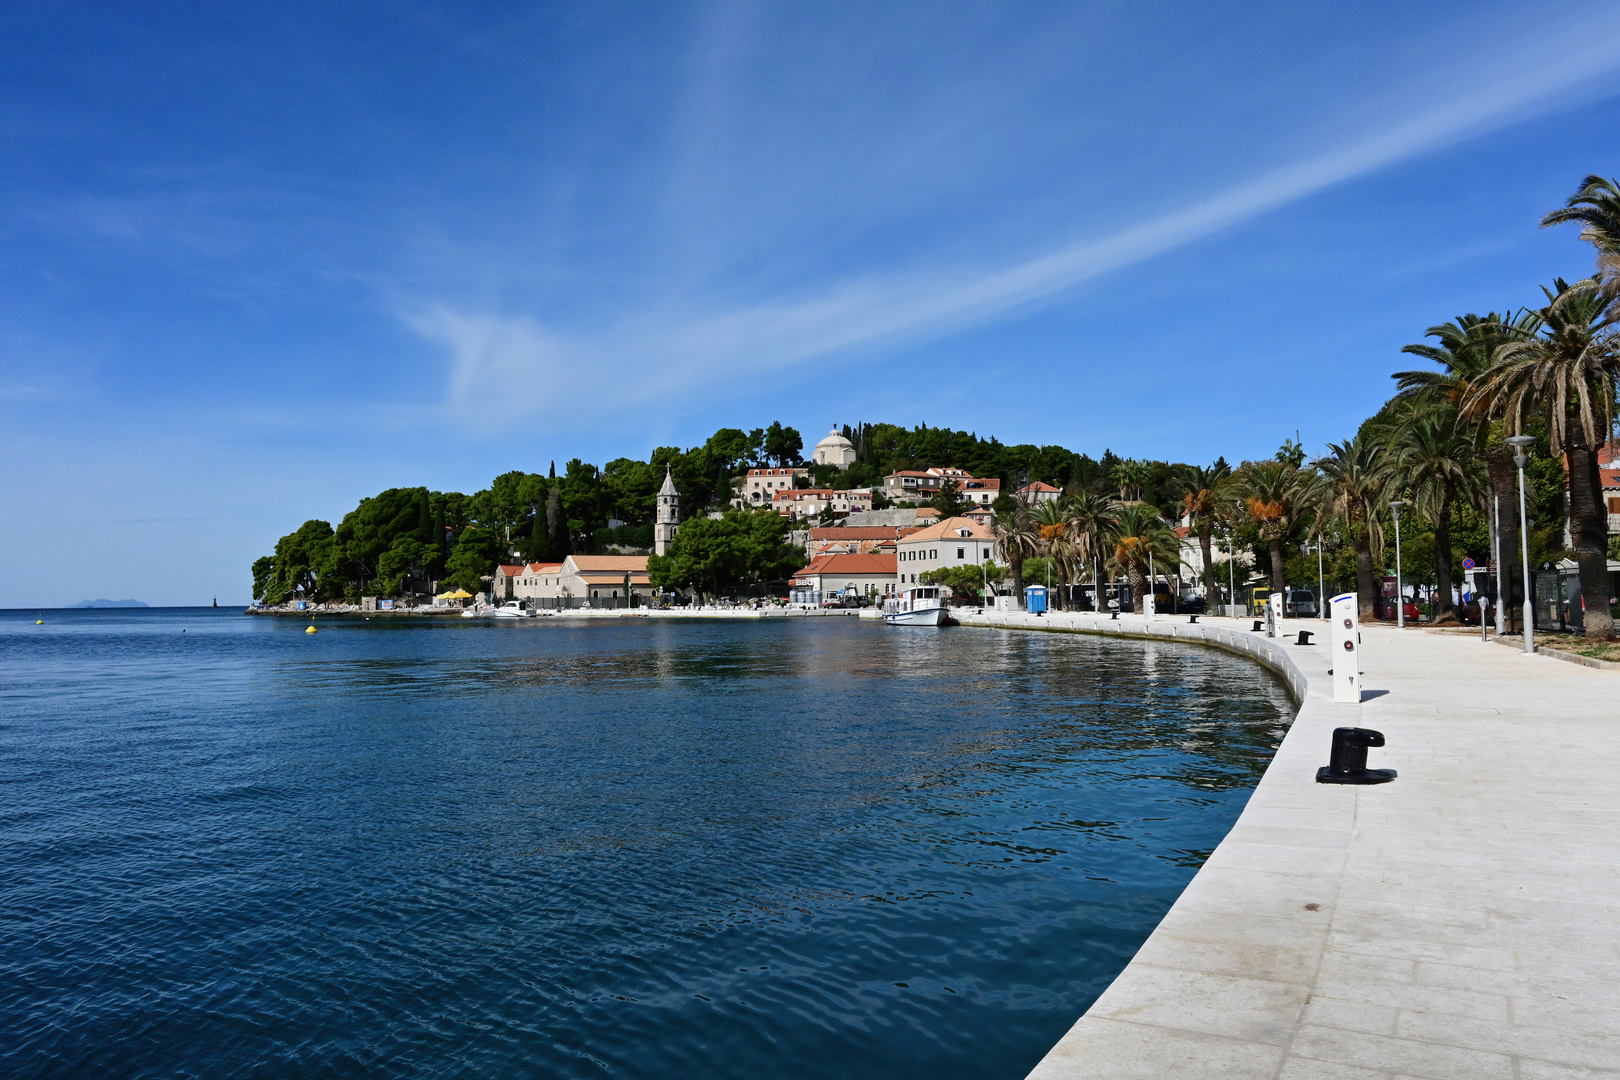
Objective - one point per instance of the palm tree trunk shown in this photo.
(1505, 495)
(1275, 545)
(1366, 593)
(1211, 600)
(1138, 582)
(1441, 611)
(1016, 565)
(1589, 527)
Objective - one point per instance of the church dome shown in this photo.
(835, 450)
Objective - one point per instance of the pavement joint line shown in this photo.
(1486, 869)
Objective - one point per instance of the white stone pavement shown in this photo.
(1460, 922)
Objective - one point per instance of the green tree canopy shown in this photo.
(738, 548)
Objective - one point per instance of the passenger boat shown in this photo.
(922, 606)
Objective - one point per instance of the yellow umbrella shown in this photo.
(459, 594)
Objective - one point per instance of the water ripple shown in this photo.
(797, 848)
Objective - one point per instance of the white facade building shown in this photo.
(760, 486)
(955, 541)
(834, 450)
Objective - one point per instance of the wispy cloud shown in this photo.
(506, 367)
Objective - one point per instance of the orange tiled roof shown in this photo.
(946, 530)
(874, 563)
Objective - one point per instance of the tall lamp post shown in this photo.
(1397, 505)
(1321, 586)
(1231, 567)
(1521, 448)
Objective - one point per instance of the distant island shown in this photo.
(108, 603)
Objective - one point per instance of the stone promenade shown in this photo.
(1460, 922)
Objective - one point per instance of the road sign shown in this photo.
(1468, 564)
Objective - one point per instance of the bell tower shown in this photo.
(669, 514)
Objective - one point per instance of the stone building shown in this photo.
(668, 522)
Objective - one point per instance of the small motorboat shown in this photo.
(512, 609)
(922, 606)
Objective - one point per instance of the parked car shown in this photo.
(1301, 604)
(1384, 608)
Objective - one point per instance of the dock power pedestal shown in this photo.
(1346, 656)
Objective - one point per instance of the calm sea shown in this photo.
(614, 848)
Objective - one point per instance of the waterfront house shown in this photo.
(957, 541)
(503, 588)
(861, 575)
(534, 579)
(589, 577)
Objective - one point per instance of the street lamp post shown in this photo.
(1521, 447)
(1321, 586)
(1400, 587)
(1501, 570)
(1231, 568)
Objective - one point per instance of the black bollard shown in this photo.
(1348, 762)
(1304, 637)
(1192, 618)
(1257, 623)
(1113, 615)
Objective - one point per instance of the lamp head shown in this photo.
(1519, 442)
(1397, 505)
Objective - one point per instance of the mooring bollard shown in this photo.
(1348, 762)
(1192, 618)
(1304, 637)
(1113, 615)
(1257, 624)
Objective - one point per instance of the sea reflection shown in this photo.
(568, 848)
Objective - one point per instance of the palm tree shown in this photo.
(1143, 538)
(1568, 374)
(1595, 206)
(1018, 539)
(1270, 493)
(1351, 493)
(1092, 519)
(1465, 349)
(1129, 476)
(1433, 455)
(1052, 530)
(1200, 489)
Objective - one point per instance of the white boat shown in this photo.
(922, 606)
(512, 609)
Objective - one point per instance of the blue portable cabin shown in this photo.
(1035, 598)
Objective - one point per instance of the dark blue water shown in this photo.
(614, 848)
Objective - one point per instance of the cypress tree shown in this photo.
(557, 526)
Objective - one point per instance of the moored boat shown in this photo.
(922, 606)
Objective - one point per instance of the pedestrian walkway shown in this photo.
(1460, 922)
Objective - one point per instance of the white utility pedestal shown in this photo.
(1149, 608)
(1274, 615)
(1346, 648)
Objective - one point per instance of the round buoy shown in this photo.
(309, 630)
(39, 622)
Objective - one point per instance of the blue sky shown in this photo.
(257, 261)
